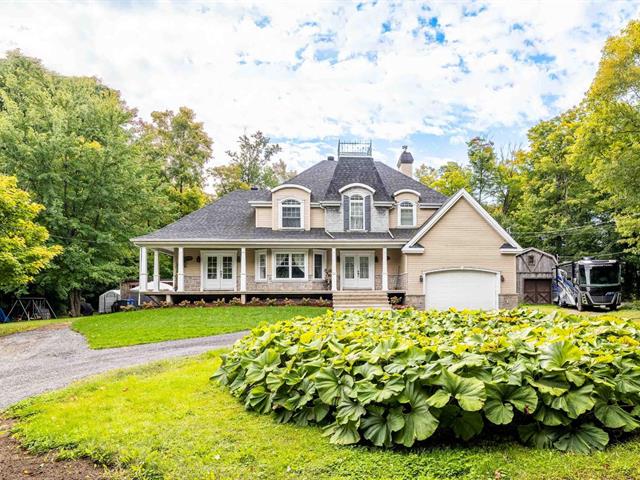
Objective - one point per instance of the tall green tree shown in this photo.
(249, 166)
(23, 242)
(69, 142)
(483, 164)
(447, 179)
(509, 182)
(608, 138)
(175, 148)
(559, 210)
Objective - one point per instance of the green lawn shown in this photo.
(168, 420)
(622, 312)
(159, 325)
(16, 327)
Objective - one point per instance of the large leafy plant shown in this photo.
(400, 377)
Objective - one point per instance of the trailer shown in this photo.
(588, 283)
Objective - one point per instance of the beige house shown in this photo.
(352, 229)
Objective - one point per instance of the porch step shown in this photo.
(360, 299)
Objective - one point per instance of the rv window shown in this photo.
(582, 280)
(605, 275)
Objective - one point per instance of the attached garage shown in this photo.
(462, 289)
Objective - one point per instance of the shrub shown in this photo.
(220, 302)
(255, 301)
(149, 305)
(402, 376)
(200, 303)
(271, 302)
(235, 301)
(184, 303)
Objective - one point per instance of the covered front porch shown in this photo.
(273, 270)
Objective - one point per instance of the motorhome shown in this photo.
(588, 283)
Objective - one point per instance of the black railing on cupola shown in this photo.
(354, 148)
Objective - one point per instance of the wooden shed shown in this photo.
(534, 273)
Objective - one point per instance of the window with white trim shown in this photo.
(291, 213)
(318, 265)
(261, 265)
(356, 212)
(290, 265)
(407, 214)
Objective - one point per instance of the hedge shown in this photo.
(397, 378)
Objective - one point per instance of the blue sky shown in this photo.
(429, 75)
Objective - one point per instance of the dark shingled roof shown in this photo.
(233, 218)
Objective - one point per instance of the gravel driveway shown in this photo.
(50, 358)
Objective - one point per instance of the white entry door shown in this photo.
(357, 270)
(219, 270)
(462, 289)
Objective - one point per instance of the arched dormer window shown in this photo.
(406, 214)
(356, 212)
(291, 215)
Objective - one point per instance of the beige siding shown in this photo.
(264, 217)
(317, 217)
(291, 193)
(192, 267)
(461, 238)
(422, 213)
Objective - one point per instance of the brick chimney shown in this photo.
(405, 162)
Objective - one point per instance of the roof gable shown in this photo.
(442, 211)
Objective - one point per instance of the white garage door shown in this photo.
(462, 289)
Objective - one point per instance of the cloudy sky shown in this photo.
(430, 75)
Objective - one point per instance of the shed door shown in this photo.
(537, 290)
(461, 289)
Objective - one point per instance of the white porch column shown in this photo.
(385, 277)
(156, 271)
(143, 278)
(334, 272)
(180, 269)
(243, 269)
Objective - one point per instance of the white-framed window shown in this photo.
(319, 264)
(356, 212)
(291, 214)
(406, 214)
(261, 265)
(290, 265)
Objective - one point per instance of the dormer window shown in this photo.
(356, 212)
(291, 214)
(407, 214)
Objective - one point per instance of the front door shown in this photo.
(218, 270)
(357, 270)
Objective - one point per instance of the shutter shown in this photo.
(345, 212)
(367, 213)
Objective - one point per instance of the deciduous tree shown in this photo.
(24, 251)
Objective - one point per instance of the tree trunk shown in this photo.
(74, 303)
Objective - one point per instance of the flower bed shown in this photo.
(400, 377)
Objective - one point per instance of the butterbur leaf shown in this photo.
(367, 391)
(259, 399)
(349, 411)
(439, 399)
(469, 392)
(380, 424)
(550, 417)
(342, 434)
(575, 402)
(583, 439)
(330, 386)
(419, 423)
(537, 436)
(614, 416)
(498, 412)
(555, 356)
(524, 399)
(368, 371)
(467, 425)
(552, 386)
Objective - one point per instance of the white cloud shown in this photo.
(240, 77)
